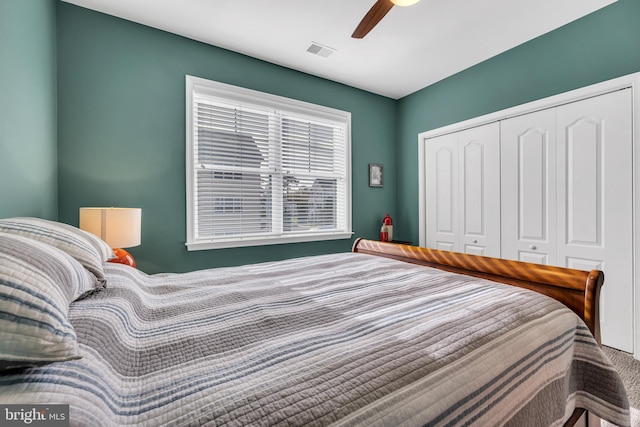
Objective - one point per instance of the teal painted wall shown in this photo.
(121, 103)
(28, 174)
(598, 47)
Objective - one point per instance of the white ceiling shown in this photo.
(412, 47)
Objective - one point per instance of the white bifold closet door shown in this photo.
(567, 178)
(528, 157)
(463, 191)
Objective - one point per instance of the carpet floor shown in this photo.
(629, 370)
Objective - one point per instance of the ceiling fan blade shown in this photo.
(371, 19)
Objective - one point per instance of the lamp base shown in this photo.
(123, 257)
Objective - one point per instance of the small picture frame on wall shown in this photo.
(375, 175)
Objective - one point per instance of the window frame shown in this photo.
(240, 96)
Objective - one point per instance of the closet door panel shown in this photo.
(583, 173)
(528, 187)
(442, 193)
(595, 176)
(479, 151)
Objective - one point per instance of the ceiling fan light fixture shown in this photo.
(404, 2)
(378, 11)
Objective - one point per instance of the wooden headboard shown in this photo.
(578, 290)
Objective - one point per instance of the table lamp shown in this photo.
(119, 227)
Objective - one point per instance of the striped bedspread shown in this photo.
(342, 339)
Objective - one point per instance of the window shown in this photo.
(263, 169)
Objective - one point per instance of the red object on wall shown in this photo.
(387, 220)
(123, 257)
(387, 229)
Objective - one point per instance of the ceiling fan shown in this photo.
(376, 13)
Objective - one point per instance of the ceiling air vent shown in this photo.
(320, 50)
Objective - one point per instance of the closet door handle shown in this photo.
(533, 247)
(474, 241)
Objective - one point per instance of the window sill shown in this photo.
(264, 241)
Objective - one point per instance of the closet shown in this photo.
(553, 186)
(463, 182)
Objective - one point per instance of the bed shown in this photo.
(386, 335)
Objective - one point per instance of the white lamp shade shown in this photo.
(119, 227)
(404, 2)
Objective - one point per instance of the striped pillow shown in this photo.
(37, 284)
(86, 248)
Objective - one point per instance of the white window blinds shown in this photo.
(264, 171)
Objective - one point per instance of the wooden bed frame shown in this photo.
(578, 290)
